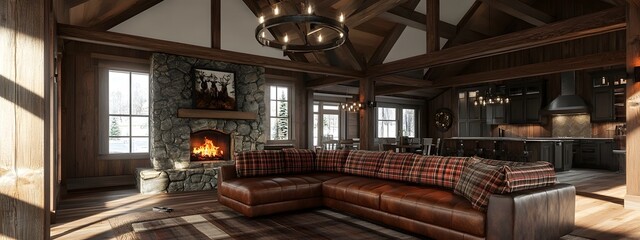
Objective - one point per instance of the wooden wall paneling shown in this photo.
(8, 187)
(447, 99)
(86, 105)
(68, 116)
(632, 199)
(24, 162)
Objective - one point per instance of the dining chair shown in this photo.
(426, 146)
(438, 146)
(330, 145)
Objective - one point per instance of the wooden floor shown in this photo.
(599, 210)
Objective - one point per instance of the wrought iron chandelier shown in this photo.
(490, 98)
(317, 33)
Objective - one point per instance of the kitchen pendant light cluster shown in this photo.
(490, 98)
(317, 33)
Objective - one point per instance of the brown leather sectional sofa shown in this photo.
(436, 212)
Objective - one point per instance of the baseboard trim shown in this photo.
(99, 182)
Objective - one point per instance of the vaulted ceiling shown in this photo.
(374, 29)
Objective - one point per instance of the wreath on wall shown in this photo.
(443, 119)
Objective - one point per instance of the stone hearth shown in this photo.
(171, 89)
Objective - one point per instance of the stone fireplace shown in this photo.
(174, 165)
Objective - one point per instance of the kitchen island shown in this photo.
(563, 152)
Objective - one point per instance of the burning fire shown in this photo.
(208, 149)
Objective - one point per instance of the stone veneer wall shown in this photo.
(171, 88)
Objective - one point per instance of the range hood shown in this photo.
(568, 102)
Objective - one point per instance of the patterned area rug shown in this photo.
(227, 224)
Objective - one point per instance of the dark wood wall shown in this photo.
(79, 101)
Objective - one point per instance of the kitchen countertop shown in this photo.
(533, 139)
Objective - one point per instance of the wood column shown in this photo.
(215, 24)
(433, 19)
(632, 199)
(367, 114)
(24, 99)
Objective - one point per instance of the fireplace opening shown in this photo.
(210, 145)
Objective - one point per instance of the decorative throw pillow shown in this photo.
(396, 166)
(259, 163)
(478, 181)
(438, 170)
(524, 175)
(364, 163)
(298, 160)
(331, 160)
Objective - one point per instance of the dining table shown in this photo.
(402, 147)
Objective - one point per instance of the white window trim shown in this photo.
(290, 104)
(103, 89)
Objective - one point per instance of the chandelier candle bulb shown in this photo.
(261, 19)
(320, 38)
(309, 10)
(286, 38)
(276, 11)
(341, 18)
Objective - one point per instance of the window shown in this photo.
(279, 113)
(128, 112)
(409, 122)
(387, 126)
(394, 121)
(329, 128)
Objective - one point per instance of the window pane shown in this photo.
(283, 128)
(409, 122)
(330, 127)
(139, 126)
(272, 93)
(315, 129)
(387, 129)
(315, 107)
(386, 114)
(274, 128)
(140, 145)
(118, 126)
(283, 109)
(140, 93)
(273, 108)
(282, 93)
(118, 145)
(331, 107)
(118, 92)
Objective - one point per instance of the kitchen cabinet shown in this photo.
(596, 154)
(608, 95)
(525, 103)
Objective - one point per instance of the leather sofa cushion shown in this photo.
(361, 191)
(438, 170)
(433, 205)
(262, 190)
(331, 160)
(396, 166)
(259, 163)
(299, 160)
(364, 163)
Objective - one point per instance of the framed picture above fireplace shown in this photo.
(214, 89)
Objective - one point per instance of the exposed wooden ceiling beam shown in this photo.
(574, 28)
(536, 69)
(616, 2)
(433, 35)
(632, 2)
(388, 90)
(326, 81)
(148, 44)
(521, 11)
(411, 18)
(215, 24)
(73, 3)
(390, 39)
(371, 12)
(404, 81)
(137, 8)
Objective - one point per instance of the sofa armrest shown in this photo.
(541, 213)
(227, 172)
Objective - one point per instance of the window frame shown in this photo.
(399, 119)
(104, 66)
(290, 106)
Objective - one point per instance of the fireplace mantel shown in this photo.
(215, 114)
